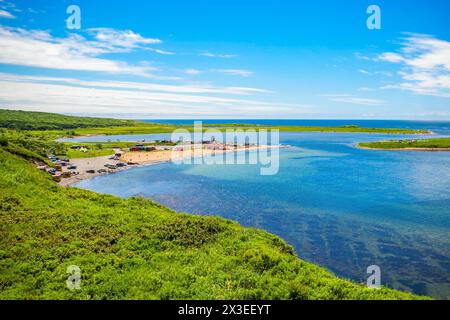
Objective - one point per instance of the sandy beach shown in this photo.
(169, 155)
(139, 158)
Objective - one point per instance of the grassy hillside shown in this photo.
(436, 143)
(26, 120)
(136, 249)
(30, 146)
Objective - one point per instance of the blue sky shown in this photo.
(227, 59)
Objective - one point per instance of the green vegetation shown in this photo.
(26, 120)
(116, 144)
(55, 125)
(90, 153)
(98, 149)
(351, 128)
(155, 128)
(436, 143)
(33, 147)
(138, 128)
(137, 249)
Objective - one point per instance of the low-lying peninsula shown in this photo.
(435, 144)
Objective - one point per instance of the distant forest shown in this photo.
(25, 120)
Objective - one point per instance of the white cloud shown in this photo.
(236, 72)
(347, 98)
(192, 71)
(366, 89)
(363, 71)
(138, 86)
(121, 38)
(425, 65)
(6, 14)
(391, 57)
(163, 52)
(218, 55)
(37, 48)
(75, 96)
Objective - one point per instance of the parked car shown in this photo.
(121, 164)
(102, 171)
(72, 167)
(90, 171)
(52, 171)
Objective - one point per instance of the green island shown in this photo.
(135, 248)
(434, 144)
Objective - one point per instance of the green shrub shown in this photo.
(3, 142)
(189, 231)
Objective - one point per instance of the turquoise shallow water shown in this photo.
(340, 207)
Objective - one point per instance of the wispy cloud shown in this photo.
(391, 57)
(192, 71)
(347, 98)
(236, 72)
(121, 38)
(163, 52)
(37, 48)
(129, 85)
(6, 9)
(425, 65)
(218, 55)
(126, 40)
(6, 14)
(66, 95)
(366, 89)
(376, 73)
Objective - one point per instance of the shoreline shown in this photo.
(139, 159)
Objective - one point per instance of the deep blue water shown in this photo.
(340, 207)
